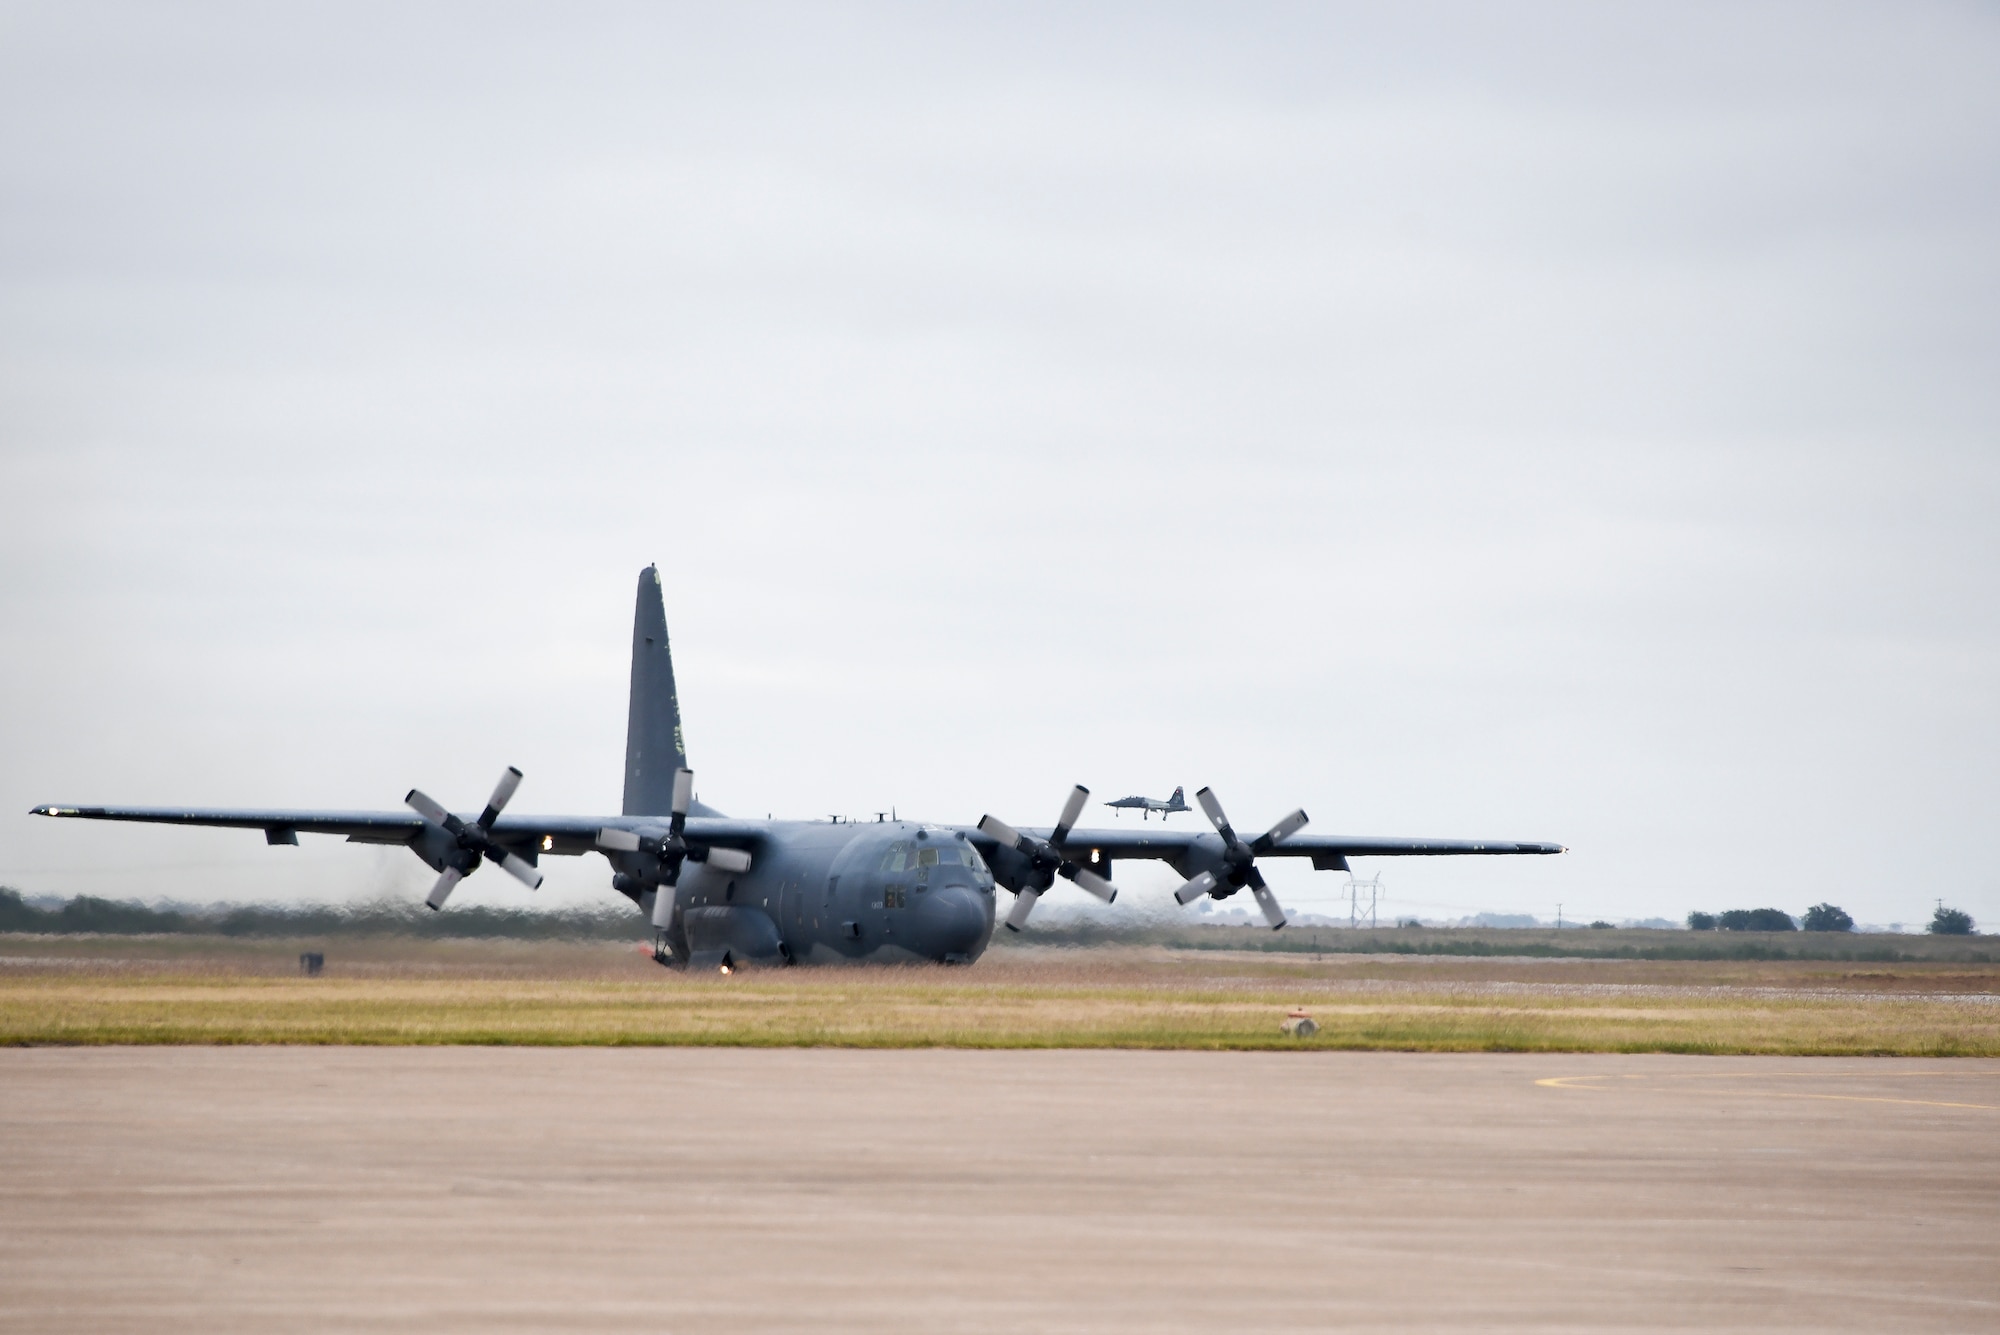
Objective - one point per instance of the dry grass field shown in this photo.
(394, 990)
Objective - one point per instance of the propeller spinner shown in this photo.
(474, 839)
(1240, 861)
(672, 850)
(1047, 859)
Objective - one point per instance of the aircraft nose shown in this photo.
(953, 921)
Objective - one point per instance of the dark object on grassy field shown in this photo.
(1757, 920)
(311, 962)
(1600, 923)
(1409, 922)
(1950, 922)
(1701, 922)
(1827, 918)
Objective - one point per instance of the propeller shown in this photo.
(672, 849)
(1047, 859)
(1240, 861)
(475, 840)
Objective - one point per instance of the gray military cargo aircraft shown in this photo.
(1145, 806)
(723, 893)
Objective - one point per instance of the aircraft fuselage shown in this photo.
(821, 892)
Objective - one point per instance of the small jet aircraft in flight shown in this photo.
(722, 892)
(1145, 806)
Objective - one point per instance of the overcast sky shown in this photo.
(1532, 421)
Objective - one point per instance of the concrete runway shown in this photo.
(512, 1189)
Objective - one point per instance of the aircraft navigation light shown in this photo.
(548, 842)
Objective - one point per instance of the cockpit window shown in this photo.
(903, 856)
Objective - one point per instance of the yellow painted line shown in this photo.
(1935, 1073)
(1863, 1098)
(1577, 1082)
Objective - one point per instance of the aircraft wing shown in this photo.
(369, 827)
(532, 834)
(1329, 852)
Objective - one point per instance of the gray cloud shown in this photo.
(1561, 422)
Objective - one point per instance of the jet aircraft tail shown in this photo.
(653, 745)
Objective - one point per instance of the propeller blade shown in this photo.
(733, 861)
(503, 793)
(1024, 904)
(995, 828)
(521, 870)
(1273, 913)
(1071, 810)
(1196, 888)
(1213, 809)
(663, 906)
(428, 809)
(683, 791)
(1091, 881)
(442, 890)
(1280, 832)
(622, 841)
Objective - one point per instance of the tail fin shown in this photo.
(1177, 799)
(653, 746)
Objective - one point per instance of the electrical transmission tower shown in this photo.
(1362, 896)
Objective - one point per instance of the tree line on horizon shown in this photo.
(111, 917)
(1818, 918)
(87, 913)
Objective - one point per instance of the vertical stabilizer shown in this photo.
(653, 746)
